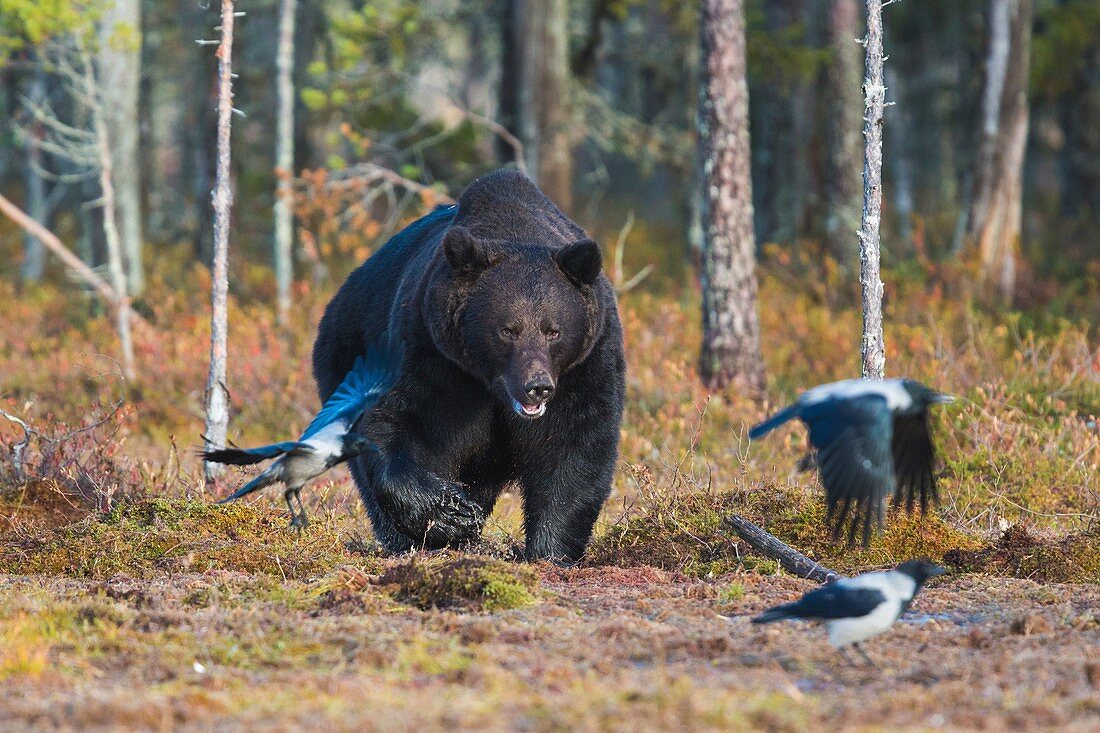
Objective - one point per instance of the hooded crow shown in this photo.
(855, 609)
(328, 440)
(872, 440)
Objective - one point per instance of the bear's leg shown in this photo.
(563, 499)
(409, 506)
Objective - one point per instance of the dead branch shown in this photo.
(372, 173)
(18, 449)
(55, 245)
(770, 545)
(617, 274)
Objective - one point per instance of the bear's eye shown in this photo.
(509, 333)
(553, 334)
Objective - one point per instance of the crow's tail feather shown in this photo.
(779, 613)
(787, 413)
(264, 479)
(233, 456)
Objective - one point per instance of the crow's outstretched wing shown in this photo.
(913, 460)
(248, 456)
(836, 601)
(372, 375)
(853, 439)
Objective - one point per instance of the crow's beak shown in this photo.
(937, 570)
(942, 399)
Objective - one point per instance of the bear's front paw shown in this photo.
(456, 519)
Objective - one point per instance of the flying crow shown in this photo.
(328, 439)
(872, 440)
(855, 609)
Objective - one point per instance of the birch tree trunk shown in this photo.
(534, 93)
(217, 393)
(284, 157)
(115, 268)
(731, 330)
(872, 347)
(120, 74)
(994, 219)
(842, 124)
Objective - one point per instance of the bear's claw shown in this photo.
(456, 519)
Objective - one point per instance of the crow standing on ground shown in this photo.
(872, 440)
(855, 609)
(328, 439)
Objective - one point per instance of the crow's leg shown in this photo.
(847, 658)
(858, 648)
(303, 520)
(297, 520)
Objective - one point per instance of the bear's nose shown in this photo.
(540, 388)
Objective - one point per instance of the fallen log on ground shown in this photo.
(770, 545)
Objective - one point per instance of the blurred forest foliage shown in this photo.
(400, 104)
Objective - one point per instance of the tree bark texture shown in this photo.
(731, 329)
(119, 76)
(534, 93)
(284, 157)
(217, 393)
(842, 126)
(872, 346)
(791, 559)
(96, 96)
(995, 217)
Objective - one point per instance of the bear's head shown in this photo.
(516, 316)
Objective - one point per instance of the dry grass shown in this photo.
(131, 602)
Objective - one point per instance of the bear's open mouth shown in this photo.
(530, 411)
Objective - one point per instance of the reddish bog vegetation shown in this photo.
(131, 600)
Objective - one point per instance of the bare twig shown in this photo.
(18, 449)
(620, 247)
(790, 558)
(374, 173)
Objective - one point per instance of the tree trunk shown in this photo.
(284, 157)
(120, 72)
(873, 349)
(217, 393)
(534, 92)
(731, 330)
(115, 267)
(994, 220)
(842, 124)
(34, 255)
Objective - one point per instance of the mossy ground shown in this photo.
(130, 601)
(468, 583)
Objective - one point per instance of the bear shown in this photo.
(514, 372)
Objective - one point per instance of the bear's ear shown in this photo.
(580, 261)
(466, 255)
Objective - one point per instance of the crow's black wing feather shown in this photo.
(248, 456)
(913, 462)
(853, 438)
(836, 601)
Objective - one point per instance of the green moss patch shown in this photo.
(687, 533)
(1074, 558)
(152, 537)
(449, 580)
